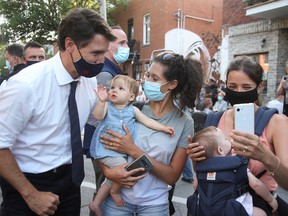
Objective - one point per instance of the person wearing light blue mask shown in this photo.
(153, 90)
(15, 61)
(170, 77)
(119, 49)
(221, 104)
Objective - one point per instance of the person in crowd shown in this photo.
(216, 144)
(141, 97)
(34, 52)
(111, 68)
(268, 152)
(41, 117)
(15, 61)
(212, 90)
(122, 93)
(221, 104)
(207, 105)
(277, 103)
(170, 77)
(283, 90)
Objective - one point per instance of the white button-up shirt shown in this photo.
(34, 116)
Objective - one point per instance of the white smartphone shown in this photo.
(244, 117)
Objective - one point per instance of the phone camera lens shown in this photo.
(238, 109)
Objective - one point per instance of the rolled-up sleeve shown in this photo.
(16, 109)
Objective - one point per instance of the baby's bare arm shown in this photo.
(151, 123)
(262, 191)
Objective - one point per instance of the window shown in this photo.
(146, 29)
(130, 33)
(146, 66)
(138, 72)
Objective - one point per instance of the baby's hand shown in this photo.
(169, 130)
(274, 204)
(102, 93)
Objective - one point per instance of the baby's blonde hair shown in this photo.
(130, 82)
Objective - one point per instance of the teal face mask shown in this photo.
(122, 54)
(152, 91)
(220, 98)
(8, 66)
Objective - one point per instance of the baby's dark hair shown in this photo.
(207, 139)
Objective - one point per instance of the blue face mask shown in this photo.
(122, 54)
(220, 98)
(85, 68)
(152, 91)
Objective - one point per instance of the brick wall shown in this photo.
(234, 13)
(163, 19)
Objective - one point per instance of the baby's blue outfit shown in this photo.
(114, 120)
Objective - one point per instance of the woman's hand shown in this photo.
(120, 143)
(249, 145)
(120, 175)
(194, 150)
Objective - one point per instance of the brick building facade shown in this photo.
(204, 18)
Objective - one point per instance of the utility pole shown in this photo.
(103, 9)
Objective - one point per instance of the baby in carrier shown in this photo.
(223, 180)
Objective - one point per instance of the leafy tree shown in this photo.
(39, 19)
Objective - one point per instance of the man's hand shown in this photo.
(43, 203)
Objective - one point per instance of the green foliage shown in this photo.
(112, 6)
(3, 71)
(39, 19)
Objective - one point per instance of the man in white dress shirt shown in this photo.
(35, 140)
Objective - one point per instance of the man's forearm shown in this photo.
(11, 172)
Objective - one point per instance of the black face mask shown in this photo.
(85, 68)
(28, 63)
(235, 97)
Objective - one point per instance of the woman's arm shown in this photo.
(278, 130)
(280, 88)
(170, 173)
(277, 136)
(124, 144)
(151, 123)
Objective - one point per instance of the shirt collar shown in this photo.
(62, 75)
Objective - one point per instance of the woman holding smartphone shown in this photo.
(169, 77)
(269, 151)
